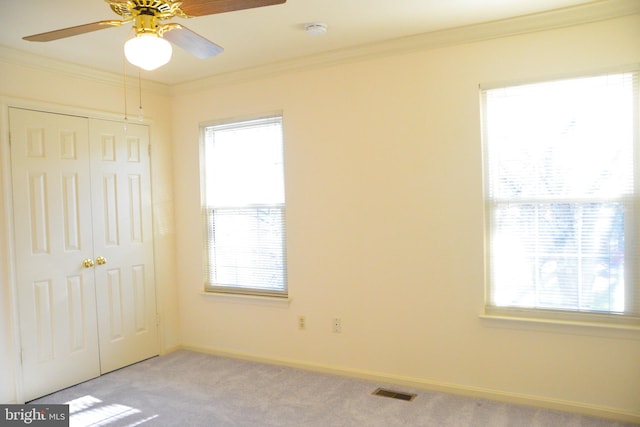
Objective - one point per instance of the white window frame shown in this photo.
(631, 314)
(211, 285)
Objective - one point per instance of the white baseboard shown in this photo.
(477, 392)
(167, 350)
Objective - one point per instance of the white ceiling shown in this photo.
(254, 37)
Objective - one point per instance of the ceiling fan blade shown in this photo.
(72, 31)
(191, 42)
(210, 7)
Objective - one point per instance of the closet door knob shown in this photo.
(101, 260)
(88, 263)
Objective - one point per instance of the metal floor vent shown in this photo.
(394, 394)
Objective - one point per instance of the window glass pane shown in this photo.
(244, 165)
(564, 139)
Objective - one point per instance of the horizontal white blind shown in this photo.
(246, 249)
(561, 172)
(244, 208)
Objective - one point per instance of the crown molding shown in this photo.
(17, 57)
(560, 18)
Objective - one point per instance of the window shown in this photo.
(561, 190)
(244, 207)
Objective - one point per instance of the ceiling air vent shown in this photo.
(394, 394)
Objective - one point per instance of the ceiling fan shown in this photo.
(149, 48)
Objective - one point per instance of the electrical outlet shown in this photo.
(302, 323)
(337, 325)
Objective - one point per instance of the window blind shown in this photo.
(246, 249)
(561, 176)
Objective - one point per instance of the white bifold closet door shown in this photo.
(83, 247)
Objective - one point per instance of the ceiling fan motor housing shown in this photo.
(146, 23)
(161, 9)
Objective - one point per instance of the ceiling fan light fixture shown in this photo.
(147, 51)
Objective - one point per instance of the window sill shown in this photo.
(574, 327)
(248, 299)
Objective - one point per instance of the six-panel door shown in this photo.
(121, 196)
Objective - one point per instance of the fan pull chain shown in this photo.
(124, 74)
(140, 111)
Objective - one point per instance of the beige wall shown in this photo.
(62, 92)
(385, 223)
(385, 226)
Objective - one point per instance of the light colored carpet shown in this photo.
(192, 389)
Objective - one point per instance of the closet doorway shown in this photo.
(83, 247)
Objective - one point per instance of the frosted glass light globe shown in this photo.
(147, 51)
